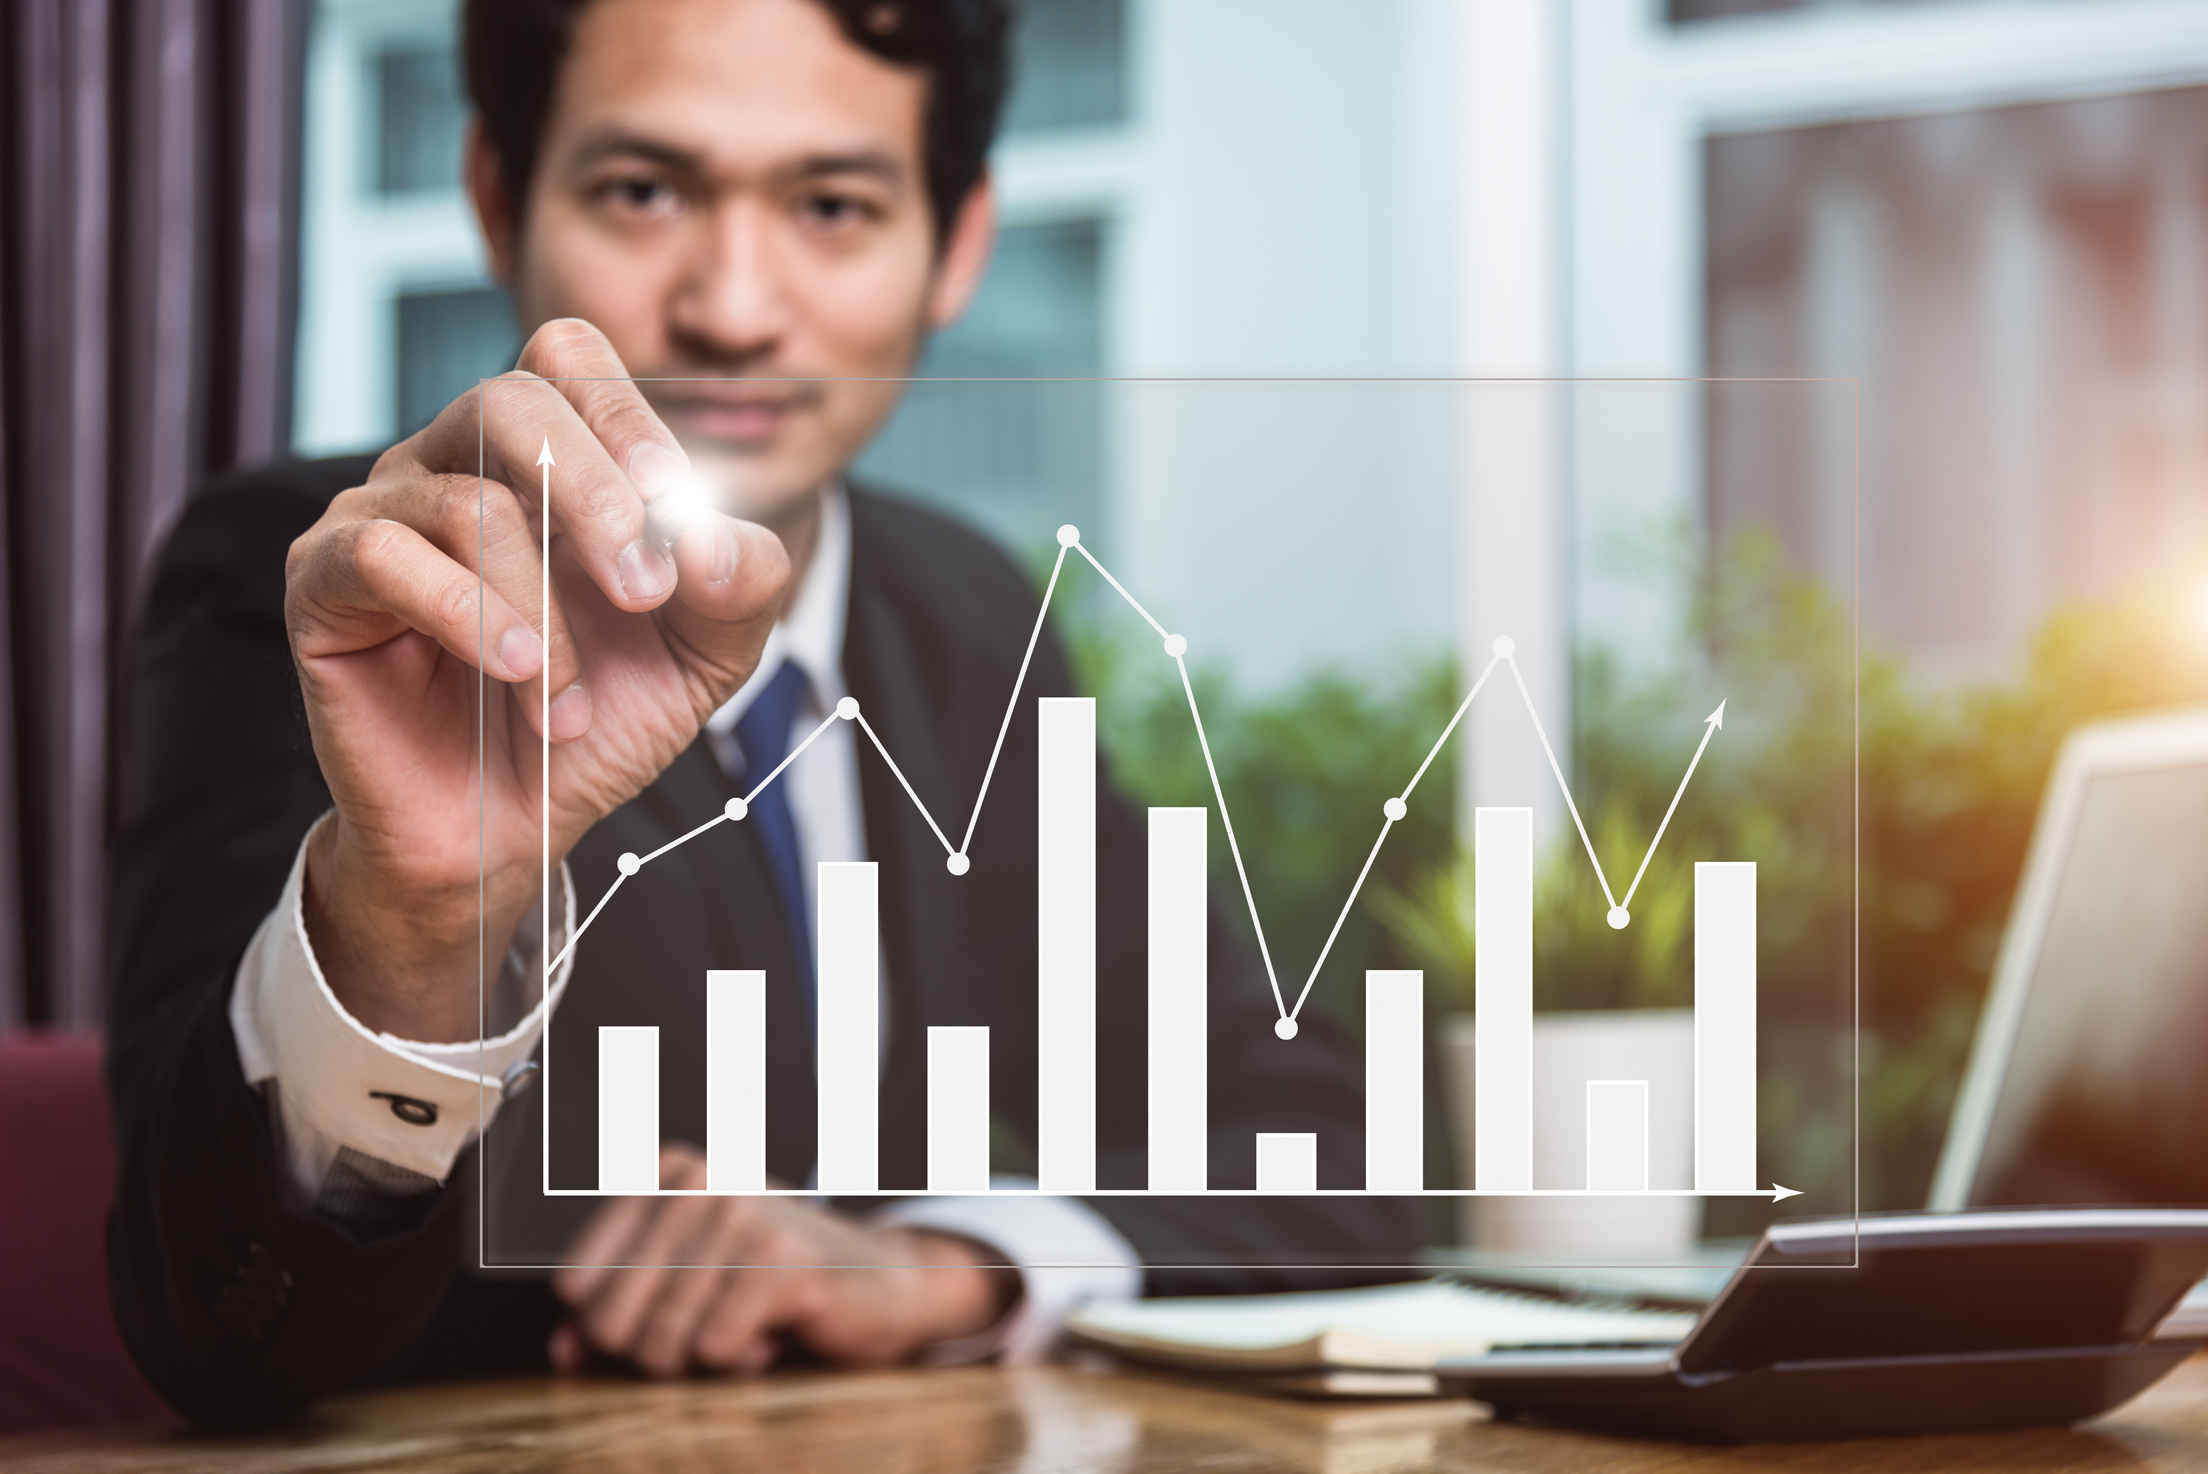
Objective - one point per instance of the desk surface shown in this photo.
(1072, 1420)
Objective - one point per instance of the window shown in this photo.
(447, 341)
(420, 119)
(1016, 458)
(1069, 66)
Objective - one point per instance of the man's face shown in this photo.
(730, 187)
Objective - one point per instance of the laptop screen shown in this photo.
(2105, 1095)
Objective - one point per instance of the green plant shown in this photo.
(1949, 781)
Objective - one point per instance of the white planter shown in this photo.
(1569, 1049)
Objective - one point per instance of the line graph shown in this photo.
(956, 858)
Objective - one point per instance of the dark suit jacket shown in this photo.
(240, 1310)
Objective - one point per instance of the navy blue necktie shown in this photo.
(763, 732)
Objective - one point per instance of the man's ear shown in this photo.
(965, 255)
(495, 210)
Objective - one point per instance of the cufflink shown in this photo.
(518, 1077)
(407, 1108)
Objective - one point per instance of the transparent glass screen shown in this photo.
(1354, 825)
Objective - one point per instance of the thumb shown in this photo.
(732, 579)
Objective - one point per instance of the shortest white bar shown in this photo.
(1617, 1136)
(735, 1082)
(628, 1109)
(958, 1110)
(1287, 1162)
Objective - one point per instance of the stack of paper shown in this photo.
(1360, 1343)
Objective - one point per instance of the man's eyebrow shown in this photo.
(621, 143)
(614, 142)
(881, 165)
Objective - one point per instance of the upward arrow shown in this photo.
(1710, 725)
(544, 456)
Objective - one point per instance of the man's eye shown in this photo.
(643, 195)
(834, 209)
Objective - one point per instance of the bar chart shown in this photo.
(849, 1043)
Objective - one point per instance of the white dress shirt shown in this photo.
(337, 1087)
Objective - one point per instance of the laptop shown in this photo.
(2069, 1213)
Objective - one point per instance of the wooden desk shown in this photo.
(1069, 1420)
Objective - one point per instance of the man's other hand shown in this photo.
(675, 1283)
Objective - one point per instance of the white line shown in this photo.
(1709, 728)
(1012, 705)
(1211, 768)
(721, 818)
(1385, 826)
(1566, 788)
(905, 783)
(1443, 740)
(593, 916)
(1132, 602)
(810, 738)
(1227, 823)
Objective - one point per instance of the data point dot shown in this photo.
(957, 864)
(1619, 916)
(1286, 1028)
(629, 864)
(1505, 647)
(736, 808)
(1176, 646)
(848, 707)
(1068, 535)
(1394, 808)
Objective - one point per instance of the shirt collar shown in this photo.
(809, 634)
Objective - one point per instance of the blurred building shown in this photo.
(1991, 215)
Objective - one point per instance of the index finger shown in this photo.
(569, 422)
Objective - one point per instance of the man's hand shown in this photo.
(637, 645)
(760, 1269)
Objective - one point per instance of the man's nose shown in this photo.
(732, 306)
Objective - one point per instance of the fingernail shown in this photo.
(520, 651)
(645, 571)
(570, 713)
(655, 469)
(720, 564)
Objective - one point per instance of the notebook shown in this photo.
(1308, 1342)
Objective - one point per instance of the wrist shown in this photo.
(400, 952)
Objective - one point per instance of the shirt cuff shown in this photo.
(1067, 1254)
(338, 1085)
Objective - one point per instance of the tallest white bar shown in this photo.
(1502, 1000)
(1724, 1026)
(1065, 925)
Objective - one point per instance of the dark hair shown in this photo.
(512, 51)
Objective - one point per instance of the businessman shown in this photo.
(757, 210)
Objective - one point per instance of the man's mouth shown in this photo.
(735, 415)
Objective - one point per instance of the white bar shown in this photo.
(1065, 923)
(1502, 1000)
(1395, 1082)
(1287, 1162)
(958, 1110)
(848, 1027)
(736, 1082)
(628, 1109)
(1725, 1026)
(1179, 1095)
(1617, 1136)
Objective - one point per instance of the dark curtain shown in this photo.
(148, 189)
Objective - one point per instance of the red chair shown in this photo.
(62, 1363)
